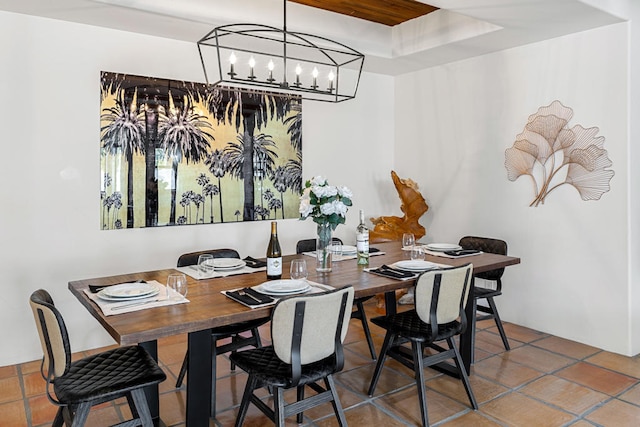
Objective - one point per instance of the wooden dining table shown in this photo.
(209, 308)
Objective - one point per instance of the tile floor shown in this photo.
(543, 381)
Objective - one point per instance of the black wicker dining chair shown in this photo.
(493, 246)
(81, 384)
(307, 333)
(241, 335)
(440, 300)
(309, 245)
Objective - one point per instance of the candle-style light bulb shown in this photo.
(298, 72)
(314, 73)
(271, 66)
(331, 78)
(252, 64)
(232, 62)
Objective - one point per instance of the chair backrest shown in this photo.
(441, 295)
(192, 257)
(309, 245)
(54, 338)
(489, 245)
(309, 328)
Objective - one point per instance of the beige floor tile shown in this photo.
(520, 333)
(565, 394)
(491, 342)
(516, 410)
(34, 384)
(42, 411)
(597, 378)
(358, 380)
(8, 371)
(632, 395)
(616, 414)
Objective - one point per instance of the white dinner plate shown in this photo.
(284, 287)
(129, 290)
(349, 250)
(228, 263)
(102, 296)
(443, 247)
(414, 265)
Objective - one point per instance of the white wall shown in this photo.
(49, 225)
(453, 125)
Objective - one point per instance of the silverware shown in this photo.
(134, 304)
(244, 294)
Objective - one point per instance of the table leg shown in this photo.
(151, 392)
(390, 303)
(199, 379)
(468, 338)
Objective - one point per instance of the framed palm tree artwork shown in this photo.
(178, 153)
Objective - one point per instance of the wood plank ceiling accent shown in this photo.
(387, 12)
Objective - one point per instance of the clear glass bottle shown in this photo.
(274, 255)
(362, 241)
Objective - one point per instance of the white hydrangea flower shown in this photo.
(318, 180)
(345, 192)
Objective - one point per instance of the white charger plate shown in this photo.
(129, 290)
(415, 265)
(228, 263)
(443, 247)
(104, 297)
(283, 287)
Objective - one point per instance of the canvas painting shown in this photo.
(181, 153)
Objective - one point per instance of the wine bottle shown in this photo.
(362, 241)
(274, 255)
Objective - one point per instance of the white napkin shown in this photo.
(192, 271)
(110, 308)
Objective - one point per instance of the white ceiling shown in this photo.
(460, 29)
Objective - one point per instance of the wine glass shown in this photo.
(417, 253)
(299, 269)
(177, 283)
(408, 240)
(205, 265)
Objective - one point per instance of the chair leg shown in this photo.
(140, 407)
(388, 341)
(214, 377)
(183, 370)
(58, 421)
(496, 318)
(337, 406)
(463, 373)
(81, 414)
(252, 382)
(365, 325)
(278, 406)
(300, 397)
(418, 363)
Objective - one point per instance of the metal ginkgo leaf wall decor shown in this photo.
(553, 154)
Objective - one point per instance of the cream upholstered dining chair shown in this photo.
(103, 377)
(307, 333)
(242, 335)
(440, 299)
(493, 246)
(309, 245)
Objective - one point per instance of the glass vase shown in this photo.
(323, 248)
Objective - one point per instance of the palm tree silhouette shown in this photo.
(251, 109)
(217, 162)
(123, 133)
(183, 135)
(262, 159)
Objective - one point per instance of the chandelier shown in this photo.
(250, 56)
